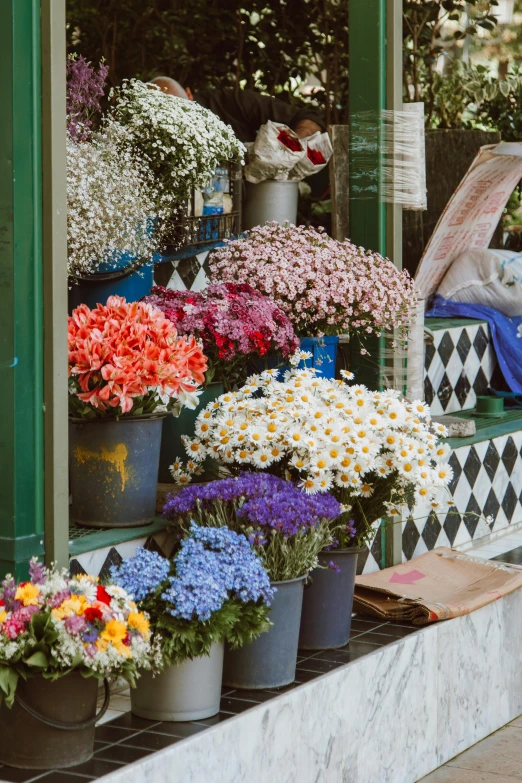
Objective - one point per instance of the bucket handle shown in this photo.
(55, 724)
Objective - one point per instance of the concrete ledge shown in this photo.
(392, 716)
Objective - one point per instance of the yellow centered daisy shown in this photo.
(321, 463)
(296, 436)
(272, 427)
(204, 427)
(408, 467)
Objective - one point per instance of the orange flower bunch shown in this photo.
(126, 357)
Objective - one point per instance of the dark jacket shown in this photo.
(246, 110)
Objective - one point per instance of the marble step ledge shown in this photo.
(392, 716)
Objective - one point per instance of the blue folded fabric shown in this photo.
(504, 333)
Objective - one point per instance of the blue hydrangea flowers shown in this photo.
(214, 564)
(142, 574)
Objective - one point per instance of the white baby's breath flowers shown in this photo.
(183, 141)
(113, 203)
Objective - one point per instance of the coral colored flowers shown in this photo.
(127, 358)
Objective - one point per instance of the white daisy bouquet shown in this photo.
(376, 453)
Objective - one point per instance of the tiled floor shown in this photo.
(124, 738)
(497, 759)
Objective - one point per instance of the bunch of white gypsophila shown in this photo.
(113, 203)
(374, 451)
(183, 141)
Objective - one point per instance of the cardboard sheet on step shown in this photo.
(435, 586)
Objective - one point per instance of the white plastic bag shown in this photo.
(318, 152)
(486, 277)
(277, 149)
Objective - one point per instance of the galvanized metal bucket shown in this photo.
(51, 724)
(114, 470)
(270, 200)
(328, 601)
(189, 691)
(173, 428)
(270, 660)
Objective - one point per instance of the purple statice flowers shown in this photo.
(85, 87)
(259, 500)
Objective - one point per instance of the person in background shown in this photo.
(246, 110)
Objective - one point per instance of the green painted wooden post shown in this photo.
(21, 321)
(367, 99)
(375, 30)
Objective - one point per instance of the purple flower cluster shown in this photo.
(85, 87)
(36, 572)
(213, 565)
(7, 595)
(259, 499)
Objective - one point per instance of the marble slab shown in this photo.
(392, 716)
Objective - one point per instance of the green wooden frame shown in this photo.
(21, 319)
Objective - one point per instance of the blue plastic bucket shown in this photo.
(128, 277)
(324, 357)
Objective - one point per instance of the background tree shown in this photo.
(272, 47)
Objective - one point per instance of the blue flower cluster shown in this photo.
(142, 574)
(215, 564)
(259, 499)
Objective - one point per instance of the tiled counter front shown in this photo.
(459, 364)
(389, 717)
(487, 482)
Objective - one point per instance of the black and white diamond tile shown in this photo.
(98, 561)
(487, 483)
(184, 274)
(459, 365)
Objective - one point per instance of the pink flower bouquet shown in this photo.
(235, 323)
(127, 359)
(325, 287)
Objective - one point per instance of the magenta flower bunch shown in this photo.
(85, 87)
(325, 287)
(235, 324)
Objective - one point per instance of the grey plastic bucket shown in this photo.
(328, 601)
(51, 724)
(270, 660)
(270, 200)
(189, 691)
(114, 470)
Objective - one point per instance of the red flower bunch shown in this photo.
(127, 358)
(315, 156)
(290, 141)
(235, 324)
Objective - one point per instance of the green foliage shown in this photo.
(427, 34)
(472, 90)
(270, 47)
(501, 109)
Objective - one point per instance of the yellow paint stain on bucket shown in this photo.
(116, 458)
